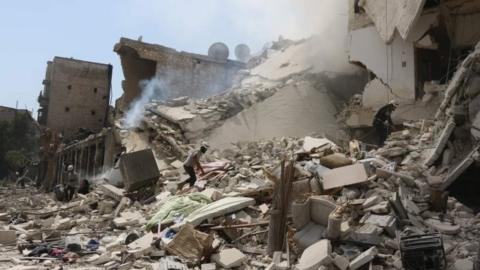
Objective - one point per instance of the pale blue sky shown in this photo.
(33, 32)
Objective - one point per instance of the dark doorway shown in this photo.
(466, 189)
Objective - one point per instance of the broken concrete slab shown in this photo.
(229, 258)
(141, 246)
(363, 258)
(371, 201)
(310, 144)
(315, 255)
(112, 191)
(344, 176)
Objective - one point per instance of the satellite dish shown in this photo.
(242, 52)
(219, 51)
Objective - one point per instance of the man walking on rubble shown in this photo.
(193, 160)
(382, 122)
(72, 182)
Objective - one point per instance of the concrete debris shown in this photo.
(315, 256)
(337, 204)
(363, 258)
(344, 176)
(229, 258)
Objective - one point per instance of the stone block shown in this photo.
(141, 246)
(363, 258)
(315, 256)
(371, 201)
(138, 169)
(229, 258)
(341, 262)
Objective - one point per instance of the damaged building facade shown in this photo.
(180, 73)
(411, 50)
(74, 105)
(76, 94)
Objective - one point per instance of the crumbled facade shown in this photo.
(76, 94)
(411, 49)
(181, 73)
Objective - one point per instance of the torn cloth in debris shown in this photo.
(177, 206)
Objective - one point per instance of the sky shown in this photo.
(33, 32)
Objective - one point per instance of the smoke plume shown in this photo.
(152, 88)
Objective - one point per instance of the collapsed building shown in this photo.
(74, 104)
(182, 73)
(309, 202)
(76, 94)
(411, 50)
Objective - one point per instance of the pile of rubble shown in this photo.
(348, 209)
(307, 203)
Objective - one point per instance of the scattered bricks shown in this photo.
(363, 258)
(315, 255)
(229, 258)
(8, 237)
(340, 261)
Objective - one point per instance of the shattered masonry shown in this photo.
(282, 189)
